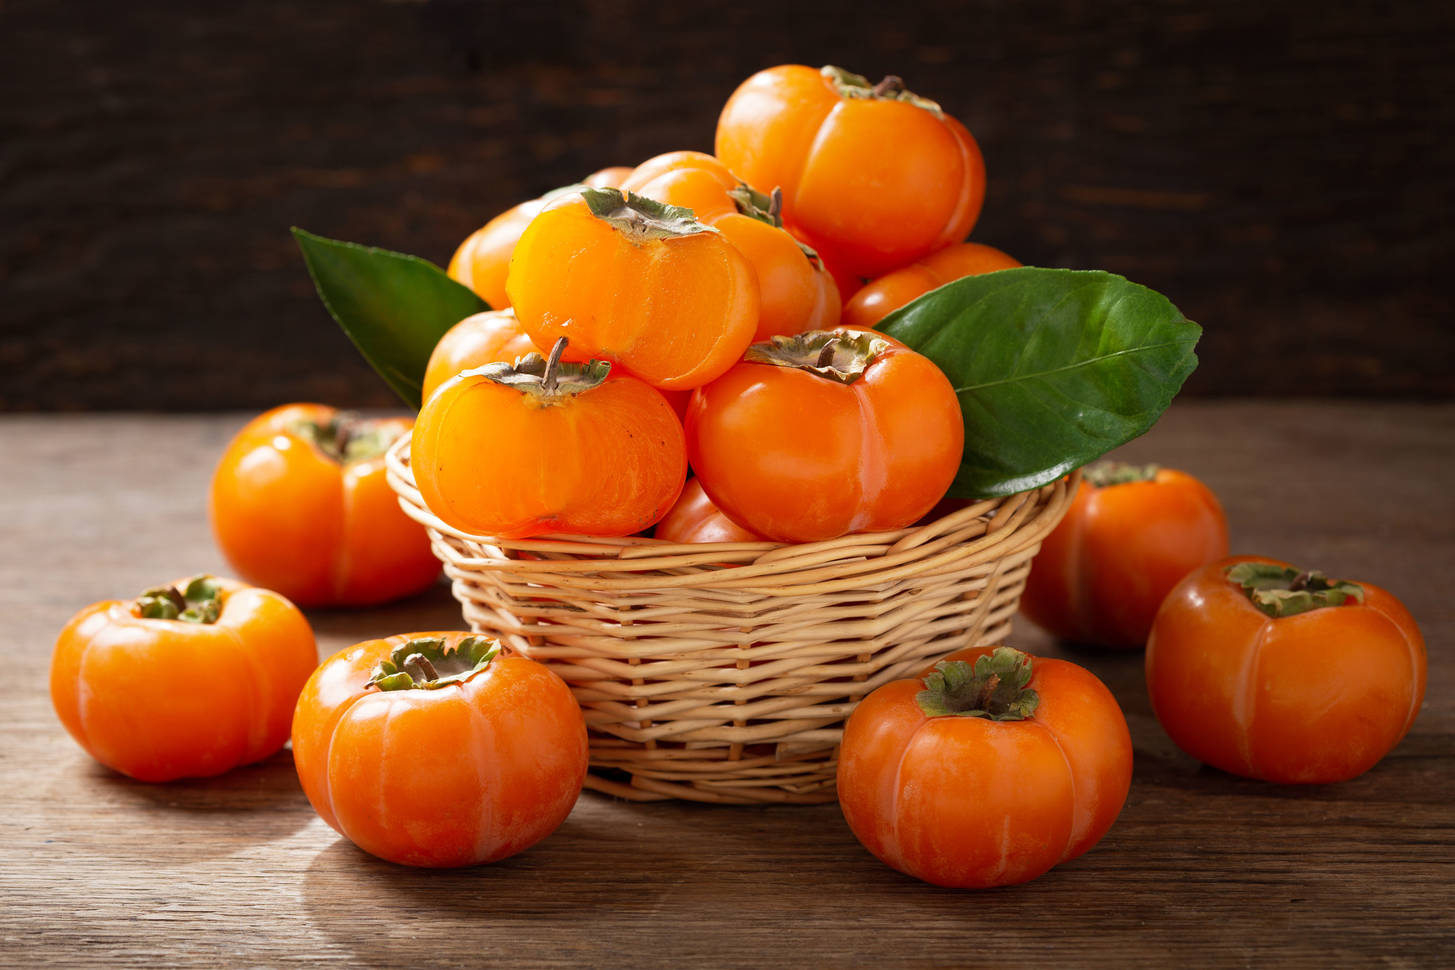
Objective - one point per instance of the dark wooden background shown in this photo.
(1282, 170)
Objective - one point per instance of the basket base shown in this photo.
(637, 788)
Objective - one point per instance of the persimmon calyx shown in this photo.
(851, 85)
(200, 601)
(1104, 473)
(994, 687)
(1286, 591)
(641, 219)
(348, 437)
(427, 663)
(756, 205)
(836, 355)
(547, 379)
(766, 208)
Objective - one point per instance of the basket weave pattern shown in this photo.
(723, 672)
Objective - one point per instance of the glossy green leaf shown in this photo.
(1053, 368)
(393, 306)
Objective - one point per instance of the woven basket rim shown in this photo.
(757, 564)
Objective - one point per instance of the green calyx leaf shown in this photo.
(640, 218)
(851, 85)
(1053, 368)
(348, 437)
(766, 208)
(837, 355)
(546, 378)
(1285, 591)
(994, 687)
(756, 205)
(393, 306)
(429, 663)
(200, 601)
(1105, 473)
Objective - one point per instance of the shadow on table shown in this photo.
(434, 609)
(185, 820)
(642, 885)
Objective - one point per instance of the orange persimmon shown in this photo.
(493, 336)
(187, 681)
(695, 519)
(480, 262)
(1132, 532)
(988, 769)
(1272, 672)
(880, 297)
(795, 292)
(873, 176)
(827, 432)
(638, 283)
(429, 749)
(301, 504)
(540, 446)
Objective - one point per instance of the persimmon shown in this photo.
(823, 433)
(1273, 672)
(493, 336)
(301, 504)
(1132, 532)
(880, 297)
(431, 749)
(515, 450)
(188, 680)
(988, 769)
(873, 176)
(795, 292)
(481, 261)
(636, 282)
(695, 519)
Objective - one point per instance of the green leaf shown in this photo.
(1053, 368)
(393, 306)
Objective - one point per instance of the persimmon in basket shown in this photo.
(880, 297)
(638, 283)
(873, 176)
(482, 260)
(491, 337)
(538, 446)
(824, 433)
(795, 292)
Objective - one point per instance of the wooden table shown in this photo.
(1201, 869)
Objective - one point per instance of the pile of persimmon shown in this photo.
(715, 312)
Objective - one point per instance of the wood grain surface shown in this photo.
(1282, 170)
(1202, 869)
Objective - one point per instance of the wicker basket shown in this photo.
(723, 672)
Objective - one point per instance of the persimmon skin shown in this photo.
(795, 292)
(794, 457)
(695, 519)
(881, 297)
(481, 261)
(1045, 789)
(490, 460)
(674, 312)
(159, 700)
(462, 775)
(1104, 570)
(1314, 698)
(320, 531)
(871, 184)
(479, 339)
